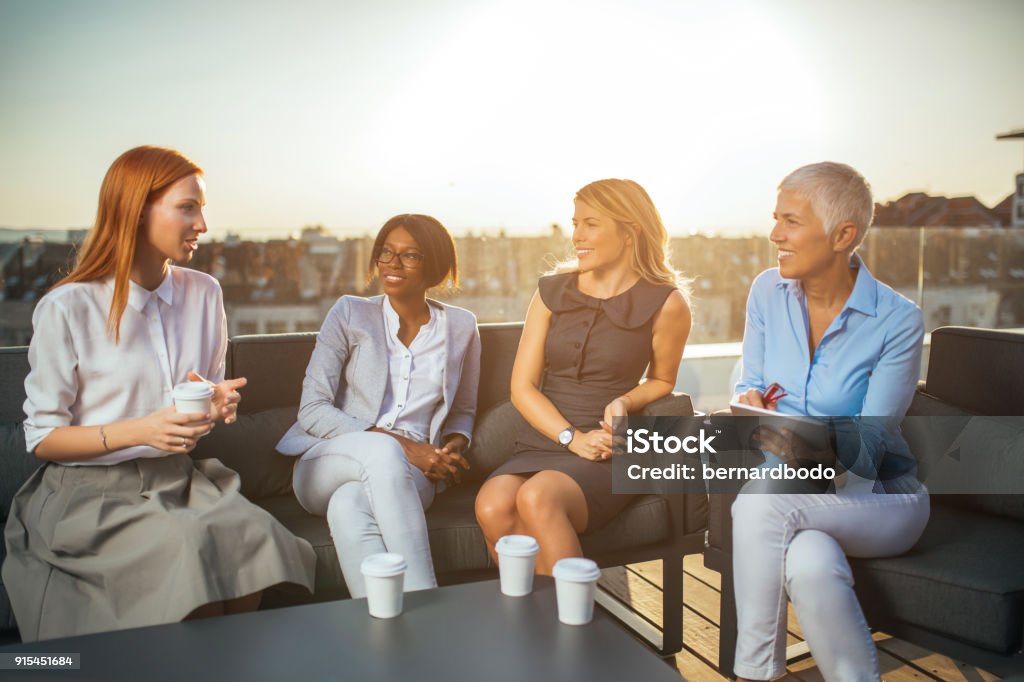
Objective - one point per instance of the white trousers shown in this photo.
(374, 500)
(796, 545)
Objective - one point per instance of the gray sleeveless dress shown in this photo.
(596, 350)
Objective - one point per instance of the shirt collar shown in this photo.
(863, 298)
(391, 321)
(138, 296)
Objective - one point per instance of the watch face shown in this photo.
(565, 437)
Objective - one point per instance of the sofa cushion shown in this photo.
(274, 364)
(950, 582)
(456, 541)
(13, 370)
(498, 344)
(328, 583)
(7, 622)
(494, 439)
(16, 465)
(247, 447)
(993, 449)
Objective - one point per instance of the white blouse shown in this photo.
(80, 377)
(414, 388)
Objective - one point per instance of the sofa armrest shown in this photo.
(977, 370)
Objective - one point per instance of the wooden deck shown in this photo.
(640, 586)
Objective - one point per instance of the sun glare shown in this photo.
(540, 97)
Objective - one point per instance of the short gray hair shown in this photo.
(837, 193)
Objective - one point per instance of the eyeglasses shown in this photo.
(410, 259)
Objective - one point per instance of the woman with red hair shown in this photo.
(119, 527)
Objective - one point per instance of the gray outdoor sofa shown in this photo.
(960, 590)
(652, 527)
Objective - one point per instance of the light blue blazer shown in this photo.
(343, 390)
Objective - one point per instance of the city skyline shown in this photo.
(490, 115)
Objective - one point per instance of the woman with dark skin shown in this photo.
(388, 404)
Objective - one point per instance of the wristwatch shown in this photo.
(565, 436)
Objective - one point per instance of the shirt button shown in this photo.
(586, 323)
(401, 405)
(405, 378)
(576, 345)
(388, 425)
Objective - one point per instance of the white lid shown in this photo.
(576, 570)
(190, 390)
(383, 565)
(517, 545)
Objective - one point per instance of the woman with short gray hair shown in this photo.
(824, 338)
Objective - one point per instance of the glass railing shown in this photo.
(963, 276)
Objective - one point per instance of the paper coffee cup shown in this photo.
(193, 396)
(384, 576)
(516, 557)
(575, 585)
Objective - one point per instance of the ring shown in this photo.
(182, 442)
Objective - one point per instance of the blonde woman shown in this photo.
(591, 331)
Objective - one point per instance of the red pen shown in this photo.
(774, 394)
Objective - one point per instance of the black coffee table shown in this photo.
(463, 632)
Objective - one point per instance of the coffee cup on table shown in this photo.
(575, 586)
(384, 577)
(516, 557)
(193, 397)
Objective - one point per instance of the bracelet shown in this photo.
(103, 437)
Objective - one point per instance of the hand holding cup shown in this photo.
(225, 397)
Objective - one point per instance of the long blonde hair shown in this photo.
(136, 178)
(629, 205)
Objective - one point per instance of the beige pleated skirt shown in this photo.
(147, 541)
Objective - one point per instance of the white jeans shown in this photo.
(797, 544)
(374, 500)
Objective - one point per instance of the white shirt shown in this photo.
(414, 387)
(80, 377)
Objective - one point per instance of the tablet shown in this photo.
(814, 430)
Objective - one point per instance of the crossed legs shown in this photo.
(373, 499)
(796, 545)
(548, 505)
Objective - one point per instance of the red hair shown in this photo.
(137, 178)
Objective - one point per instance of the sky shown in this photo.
(491, 114)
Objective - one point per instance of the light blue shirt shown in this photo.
(866, 364)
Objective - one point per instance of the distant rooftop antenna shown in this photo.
(1017, 215)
